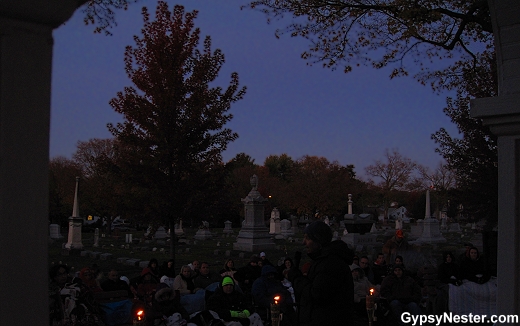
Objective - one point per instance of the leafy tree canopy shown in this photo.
(347, 33)
(173, 132)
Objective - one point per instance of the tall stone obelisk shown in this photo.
(75, 223)
(431, 232)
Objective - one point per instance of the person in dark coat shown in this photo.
(248, 274)
(402, 293)
(474, 268)
(448, 271)
(114, 283)
(168, 269)
(326, 295)
(266, 287)
(229, 304)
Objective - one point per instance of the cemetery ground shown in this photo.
(143, 250)
(215, 251)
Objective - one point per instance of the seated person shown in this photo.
(167, 269)
(402, 293)
(448, 271)
(205, 277)
(362, 288)
(379, 268)
(248, 274)
(229, 268)
(367, 270)
(229, 304)
(266, 287)
(167, 303)
(146, 286)
(89, 280)
(113, 283)
(183, 282)
(474, 269)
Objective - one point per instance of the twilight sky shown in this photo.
(289, 107)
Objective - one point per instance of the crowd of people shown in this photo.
(330, 289)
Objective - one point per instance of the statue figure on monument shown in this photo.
(254, 182)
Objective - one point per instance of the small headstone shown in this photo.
(227, 228)
(106, 256)
(160, 233)
(154, 249)
(132, 262)
(55, 231)
(96, 237)
(218, 244)
(162, 250)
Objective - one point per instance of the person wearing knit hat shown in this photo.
(230, 304)
(319, 232)
(402, 293)
(326, 294)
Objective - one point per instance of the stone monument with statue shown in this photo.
(254, 234)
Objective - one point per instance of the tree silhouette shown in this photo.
(173, 132)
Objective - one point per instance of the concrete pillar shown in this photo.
(502, 115)
(25, 88)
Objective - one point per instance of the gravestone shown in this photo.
(285, 228)
(96, 237)
(203, 232)
(454, 227)
(55, 231)
(75, 223)
(177, 229)
(160, 233)
(254, 235)
(128, 238)
(274, 222)
(294, 223)
(431, 231)
(227, 227)
(416, 229)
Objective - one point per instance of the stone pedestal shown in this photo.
(203, 234)
(227, 227)
(74, 238)
(160, 233)
(355, 239)
(254, 235)
(431, 232)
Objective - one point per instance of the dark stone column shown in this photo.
(502, 114)
(25, 89)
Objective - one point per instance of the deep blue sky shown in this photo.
(289, 107)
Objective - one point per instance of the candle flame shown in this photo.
(371, 291)
(276, 299)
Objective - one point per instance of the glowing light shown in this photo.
(371, 291)
(140, 315)
(276, 299)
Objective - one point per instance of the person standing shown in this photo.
(326, 295)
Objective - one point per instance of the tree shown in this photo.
(280, 166)
(173, 134)
(394, 174)
(102, 13)
(62, 182)
(382, 32)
